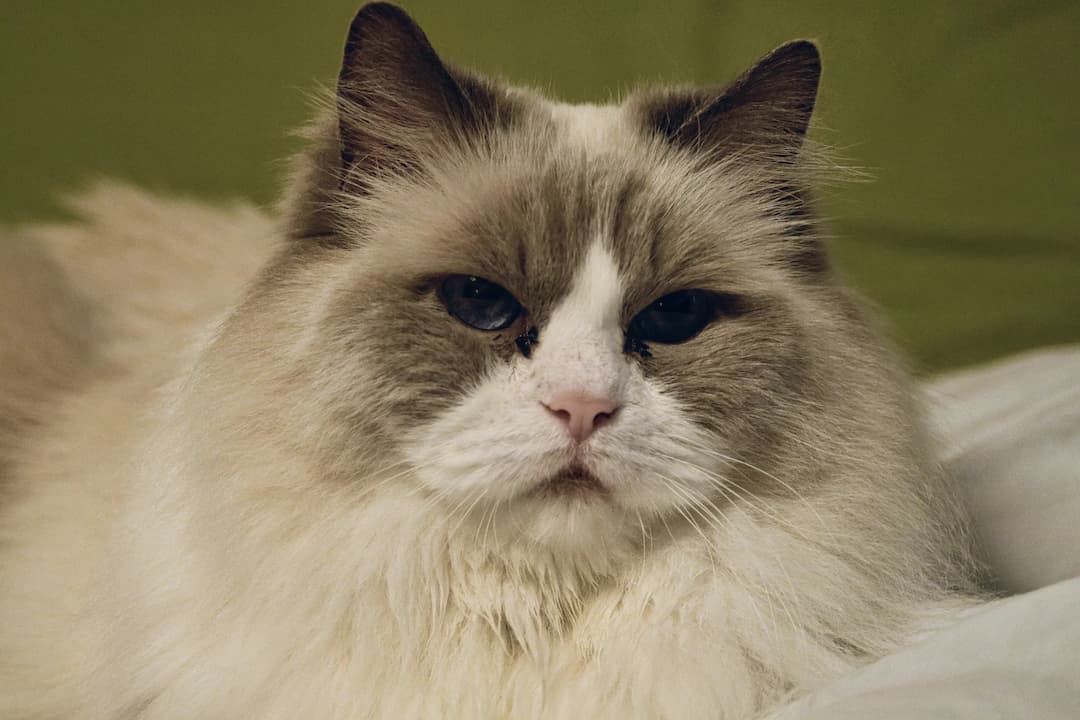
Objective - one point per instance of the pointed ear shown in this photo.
(767, 109)
(396, 100)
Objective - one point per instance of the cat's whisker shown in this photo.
(722, 484)
(644, 545)
(463, 509)
(409, 468)
(783, 483)
(778, 562)
(762, 585)
(821, 451)
(760, 505)
(715, 514)
(675, 488)
(486, 523)
(768, 625)
(492, 526)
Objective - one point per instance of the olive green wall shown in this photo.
(965, 114)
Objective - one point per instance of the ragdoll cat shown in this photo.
(518, 410)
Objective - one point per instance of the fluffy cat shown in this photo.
(515, 410)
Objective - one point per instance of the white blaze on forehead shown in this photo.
(581, 347)
(596, 294)
(590, 127)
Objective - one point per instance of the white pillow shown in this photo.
(1012, 435)
(1014, 658)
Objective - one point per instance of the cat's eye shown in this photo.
(675, 318)
(479, 303)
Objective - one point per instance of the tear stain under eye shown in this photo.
(633, 345)
(526, 340)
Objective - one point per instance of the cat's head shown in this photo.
(584, 318)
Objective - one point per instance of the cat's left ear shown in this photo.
(766, 110)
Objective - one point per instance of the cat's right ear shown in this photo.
(397, 103)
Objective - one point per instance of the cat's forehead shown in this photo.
(575, 177)
(594, 180)
(590, 128)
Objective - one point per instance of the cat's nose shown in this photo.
(581, 413)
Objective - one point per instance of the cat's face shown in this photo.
(583, 318)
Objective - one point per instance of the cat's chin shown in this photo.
(570, 511)
(568, 518)
(563, 502)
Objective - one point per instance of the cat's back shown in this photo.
(47, 343)
(110, 294)
(154, 268)
(94, 313)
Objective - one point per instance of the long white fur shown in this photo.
(163, 574)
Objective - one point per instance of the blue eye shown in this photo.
(674, 318)
(479, 303)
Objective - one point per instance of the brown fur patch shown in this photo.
(48, 344)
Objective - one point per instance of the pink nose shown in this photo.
(581, 413)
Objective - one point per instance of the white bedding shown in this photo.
(1012, 436)
(1017, 658)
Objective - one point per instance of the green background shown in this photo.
(964, 114)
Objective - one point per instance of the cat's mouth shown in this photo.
(574, 480)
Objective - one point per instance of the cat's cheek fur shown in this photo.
(495, 442)
(655, 458)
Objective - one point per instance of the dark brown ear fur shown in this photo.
(767, 110)
(763, 117)
(396, 105)
(396, 99)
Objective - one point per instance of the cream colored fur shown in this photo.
(123, 599)
(69, 477)
(257, 471)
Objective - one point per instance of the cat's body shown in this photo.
(299, 488)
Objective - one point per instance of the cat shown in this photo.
(513, 409)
